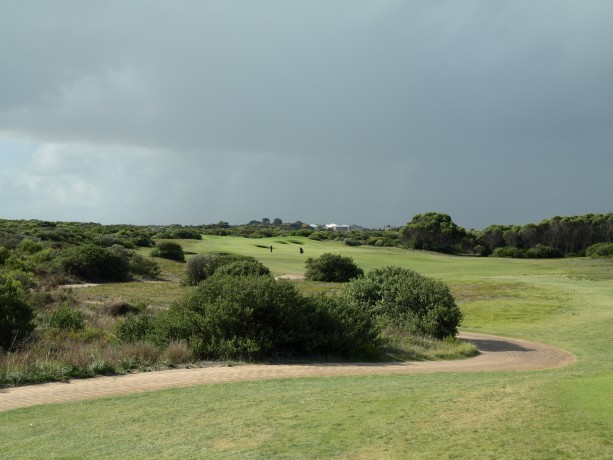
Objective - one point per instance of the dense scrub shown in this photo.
(251, 317)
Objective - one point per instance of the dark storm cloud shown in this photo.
(356, 111)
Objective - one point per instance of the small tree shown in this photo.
(332, 268)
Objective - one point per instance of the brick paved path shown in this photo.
(497, 354)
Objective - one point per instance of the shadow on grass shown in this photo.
(496, 345)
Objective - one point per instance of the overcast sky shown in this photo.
(345, 111)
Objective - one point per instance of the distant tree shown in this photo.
(492, 237)
(277, 221)
(433, 231)
(266, 220)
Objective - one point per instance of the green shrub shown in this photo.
(134, 328)
(247, 317)
(25, 278)
(16, 315)
(201, 266)
(509, 251)
(243, 268)
(142, 240)
(198, 268)
(91, 262)
(600, 250)
(335, 327)
(67, 318)
(351, 242)
(144, 266)
(169, 250)
(318, 236)
(331, 268)
(4, 254)
(30, 246)
(186, 234)
(403, 299)
(543, 252)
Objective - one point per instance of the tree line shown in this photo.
(433, 231)
(555, 237)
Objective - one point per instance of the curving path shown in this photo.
(497, 354)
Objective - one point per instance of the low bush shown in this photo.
(94, 263)
(543, 252)
(600, 250)
(402, 299)
(243, 268)
(169, 250)
(318, 236)
(509, 251)
(134, 328)
(331, 268)
(67, 318)
(30, 246)
(201, 266)
(144, 266)
(121, 308)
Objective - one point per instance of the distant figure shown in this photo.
(301, 250)
(271, 248)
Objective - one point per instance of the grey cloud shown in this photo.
(355, 104)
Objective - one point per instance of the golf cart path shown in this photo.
(497, 354)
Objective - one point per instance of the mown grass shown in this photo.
(557, 413)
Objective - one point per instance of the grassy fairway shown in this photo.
(559, 413)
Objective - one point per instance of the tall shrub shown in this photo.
(403, 299)
(16, 315)
(91, 262)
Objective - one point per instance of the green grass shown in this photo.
(557, 413)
